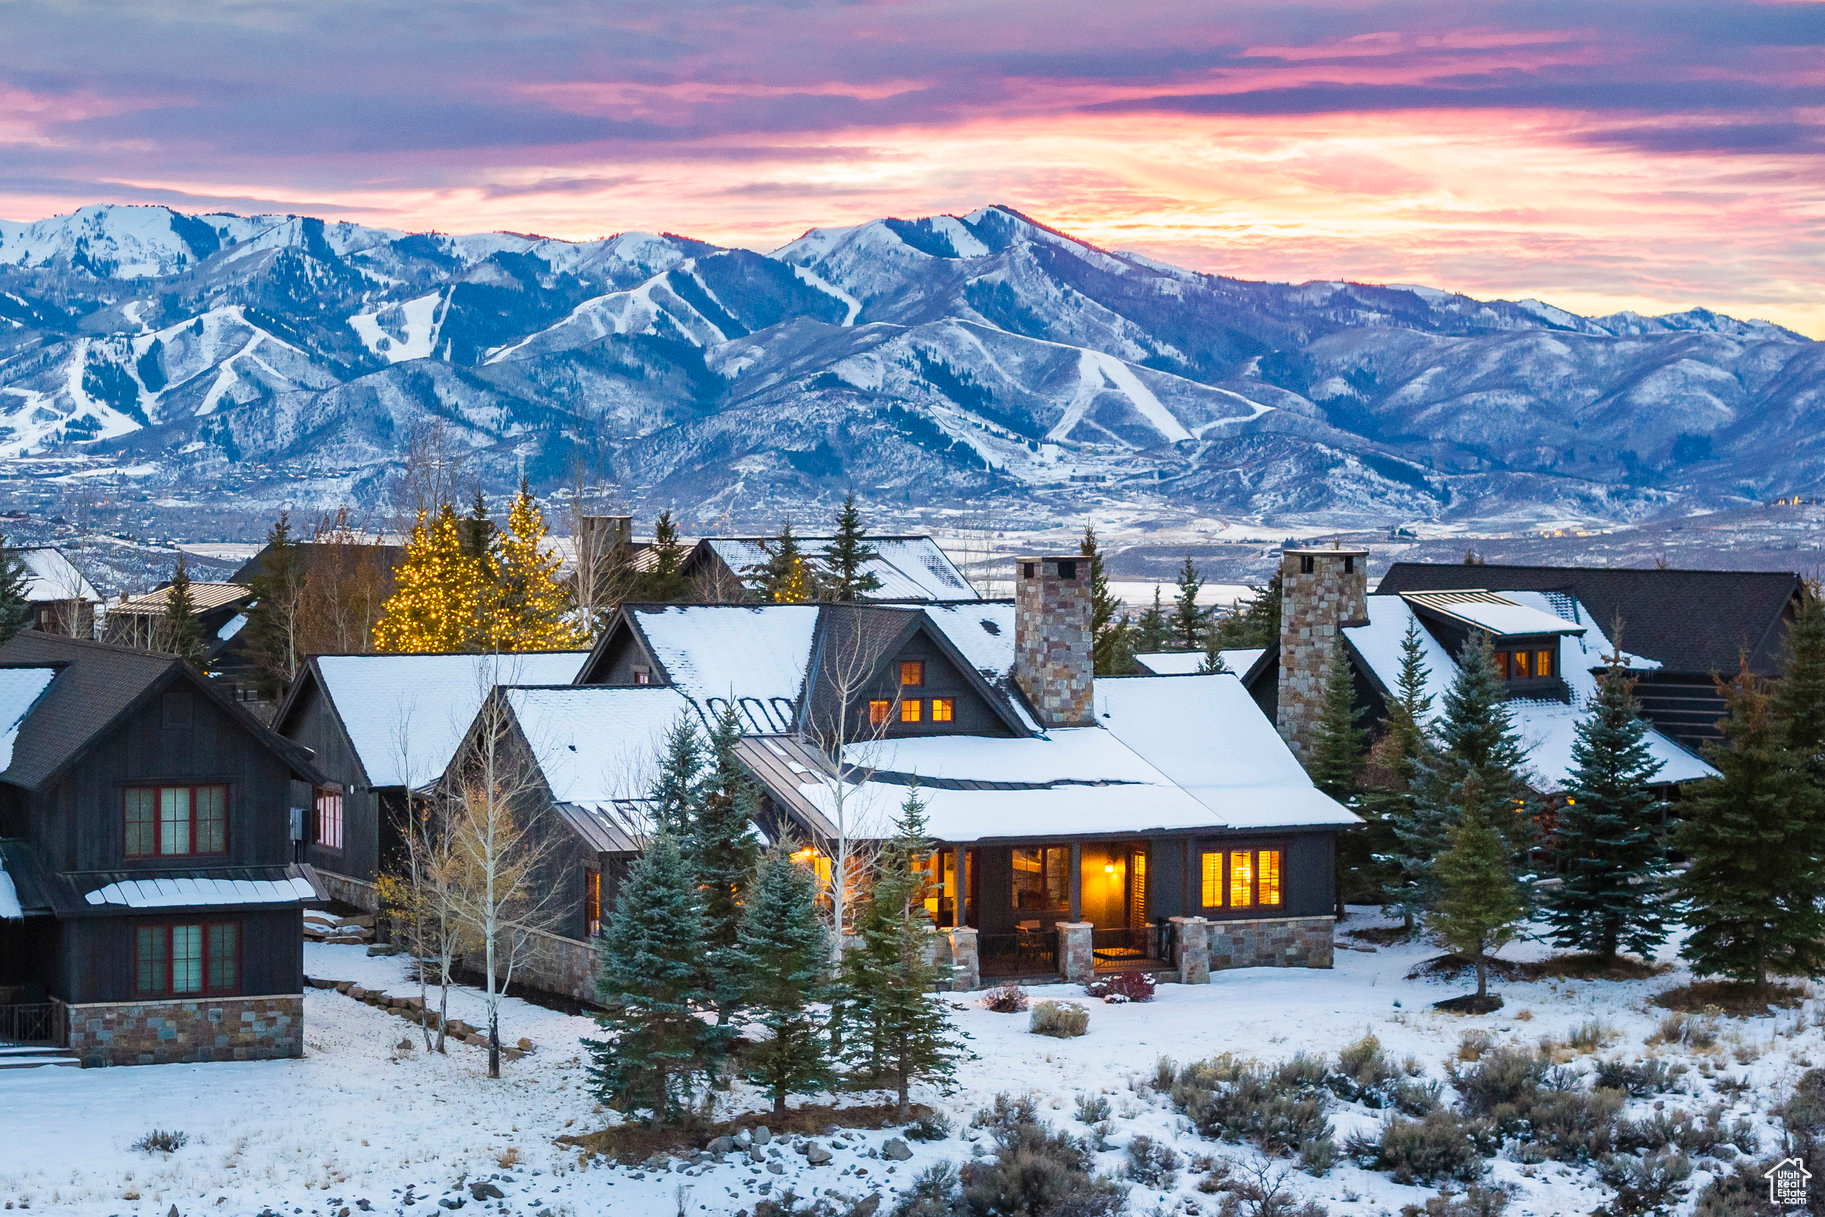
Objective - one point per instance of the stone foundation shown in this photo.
(1272, 942)
(552, 963)
(344, 890)
(187, 1030)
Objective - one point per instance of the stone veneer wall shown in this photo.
(553, 963)
(1054, 660)
(187, 1030)
(1313, 607)
(1272, 942)
(357, 892)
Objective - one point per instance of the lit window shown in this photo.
(1042, 878)
(1241, 878)
(943, 709)
(878, 711)
(1267, 866)
(912, 672)
(329, 819)
(911, 710)
(592, 902)
(1212, 896)
(1523, 664)
(1543, 663)
(1502, 666)
(164, 821)
(642, 676)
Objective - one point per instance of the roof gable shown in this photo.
(910, 569)
(50, 576)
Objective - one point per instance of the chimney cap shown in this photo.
(1329, 551)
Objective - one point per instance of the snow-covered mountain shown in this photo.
(943, 359)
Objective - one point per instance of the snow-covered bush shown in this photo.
(1152, 1164)
(1005, 999)
(1231, 1099)
(1525, 1097)
(1695, 1031)
(1474, 1201)
(1092, 1108)
(1036, 1171)
(1652, 1183)
(162, 1141)
(1059, 1019)
(1442, 1145)
(932, 1126)
(1119, 987)
(1638, 1080)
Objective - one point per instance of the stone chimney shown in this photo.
(598, 535)
(1321, 591)
(1053, 658)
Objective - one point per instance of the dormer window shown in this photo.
(1526, 663)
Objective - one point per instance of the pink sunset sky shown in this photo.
(1599, 155)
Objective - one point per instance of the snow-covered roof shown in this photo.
(49, 576)
(10, 908)
(757, 654)
(406, 714)
(909, 568)
(1495, 612)
(595, 744)
(185, 892)
(1207, 735)
(1171, 663)
(984, 635)
(20, 689)
(231, 627)
(1544, 727)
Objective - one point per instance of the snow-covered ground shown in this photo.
(360, 1119)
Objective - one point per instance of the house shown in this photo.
(151, 905)
(379, 727)
(221, 612)
(1549, 643)
(336, 559)
(910, 569)
(62, 600)
(1074, 831)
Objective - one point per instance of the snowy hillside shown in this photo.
(938, 360)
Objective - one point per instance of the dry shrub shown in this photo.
(1059, 1019)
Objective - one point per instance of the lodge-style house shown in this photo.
(150, 901)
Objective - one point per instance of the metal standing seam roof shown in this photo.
(1491, 612)
(206, 596)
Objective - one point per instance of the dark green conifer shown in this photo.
(1337, 738)
(784, 951)
(1111, 636)
(1403, 840)
(847, 555)
(662, 582)
(1187, 617)
(183, 629)
(1154, 631)
(1480, 902)
(677, 791)
(15, 609)
(274, 623)
(722, 854)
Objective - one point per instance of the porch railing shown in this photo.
(1024, 953)
(1135, 946)
(31, 1023)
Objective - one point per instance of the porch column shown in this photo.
(1076, 952)
(966, 966)
(1077, 882)
(1194, 949)
(958, 917)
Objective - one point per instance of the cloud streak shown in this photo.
(1652, 154)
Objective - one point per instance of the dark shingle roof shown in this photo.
(1689, 620)
(312, 554)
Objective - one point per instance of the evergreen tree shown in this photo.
(897, 1033)
(1751, 837)
(663, 580)
(784, 577)
(784, 950)
(658, 1051)
(1187, 618)
(847, 555)
(478, 531)
(1153, 631)
(1255, 622)
(15, 609)
(1477, 751)
(1112, 642)
(527, 604)
(1610, 844)
(1336, 763)
(1480, 902)
(183, 628)
(677, 791)
(436, 600)
(1799, 698)
(274, 628)
(1404, 840)
(1213, 653)
(722, 855)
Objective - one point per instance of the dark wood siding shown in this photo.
(97, 952)
(972, 714)
(1308, 879)
(621, 653)
(312, 722)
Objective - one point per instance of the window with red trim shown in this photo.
(329, 819)
(175, 821)
(186, 959)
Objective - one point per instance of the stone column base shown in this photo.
(1272, 942)
(1193, 949)
(966, 960)
(1076, 952)
(187, 1030)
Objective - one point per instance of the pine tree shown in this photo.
(1610, 844)
(437, 594)
(1480, 902)
(1153, 631)
(183, 628)
(662, 582)
(1213, 653)
(1337, 739)
(677, 791)
(784, 577)
(1754, 880)
(1112, 643)
(1187, 618)
(784, 951)
(897, 1033)
(15, 609)
(1254, 623)
(274, 628)
(1799, 698)
(478, 530)
(1476, 750)
(722, 854)
(847, 555)
(658, 1051)
(527, 604)
(1401, 754)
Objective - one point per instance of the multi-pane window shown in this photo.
(911, 710)
(175, 821)
(944, 709)
(1241, 879)
(592, 901)
(912, 672)
(1042, 878)
(879, 711)
(329, 819)
(1526, 663)
(186, 959)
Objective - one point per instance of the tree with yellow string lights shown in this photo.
(437, 602)
(527, 605)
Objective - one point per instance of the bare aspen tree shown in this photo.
(346, 583)
(419, 896)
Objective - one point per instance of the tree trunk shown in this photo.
(494, 1042)
(779, 1106)
(1482, 975)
